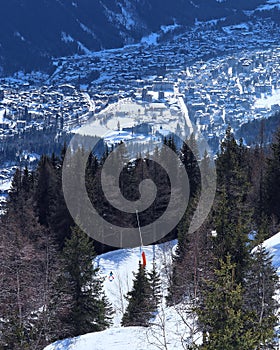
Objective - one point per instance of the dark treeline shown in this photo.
(259, 131)
(50, 289)
(221, 272)
(45, 141)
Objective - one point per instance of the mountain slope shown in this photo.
(33, 31)
(122, 263)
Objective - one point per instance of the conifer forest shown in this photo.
(222, 274)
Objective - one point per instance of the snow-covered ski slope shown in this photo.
(122, 263)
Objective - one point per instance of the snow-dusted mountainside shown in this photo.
(33, 31)
(122, 263)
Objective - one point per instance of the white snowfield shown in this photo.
(123, 263)
(125, 338)
(168, 325)
(273, 246)
(129, 338)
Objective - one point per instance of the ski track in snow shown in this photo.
(122, 263)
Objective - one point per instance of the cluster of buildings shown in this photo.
(233, 90)
(210, 75)
(23, 106)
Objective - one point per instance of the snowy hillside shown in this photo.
(128, 338)
(122, 263)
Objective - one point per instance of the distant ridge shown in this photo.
(34, 31)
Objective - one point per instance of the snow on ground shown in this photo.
(32, 157)
(151, 39)
(127, 18)
(66, 37)
(2, 113)
(266, 101)
(128, 113)
(230, 29)
(122, 263)
(128, 338)
(169, 28)
(5, 185)
(270, 5)
(273, 246)
(212, 22)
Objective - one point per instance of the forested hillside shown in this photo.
(50, 289)
(34, 31)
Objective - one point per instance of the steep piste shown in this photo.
(122, 263)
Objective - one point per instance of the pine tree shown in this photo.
(89, 310)
(45, 190)
(140, 307)
(60, 220)
(225, 325)
(208, 177)
(232, 235)
(190, 250)
(171, 144)
(155, 283)
(27, 182)
(22, 274)
(193, 264)
(183, 227)
(260, 290)
(257, 164)
(16, 187)
(232, 214)
(272, 180)
(190, 156)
